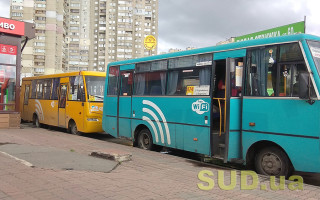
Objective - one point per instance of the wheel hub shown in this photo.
(271, 164)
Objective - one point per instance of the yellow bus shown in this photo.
(71, 100)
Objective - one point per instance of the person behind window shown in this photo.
(221, 88)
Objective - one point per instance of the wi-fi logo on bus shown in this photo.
(156, 119)
(200, 107)
(39, 110)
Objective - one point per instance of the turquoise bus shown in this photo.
(253, 102)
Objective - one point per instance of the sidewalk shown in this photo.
(149, 175)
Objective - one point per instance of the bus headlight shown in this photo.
(92, 119)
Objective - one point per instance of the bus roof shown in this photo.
(87, 73)
(225, 47)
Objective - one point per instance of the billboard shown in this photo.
(289, 29)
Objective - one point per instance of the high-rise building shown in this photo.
(76, 35)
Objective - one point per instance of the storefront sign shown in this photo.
(11, 27)
(8, 49)
(290, 29)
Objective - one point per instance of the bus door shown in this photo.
(226, 114)
(125, 103)
(62, 101)
(26, 102)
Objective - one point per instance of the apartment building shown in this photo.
(76, 35)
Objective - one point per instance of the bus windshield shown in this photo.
(95, 88)
(315, 50)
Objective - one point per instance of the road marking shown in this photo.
(18, 159)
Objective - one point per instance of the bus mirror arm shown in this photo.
(305, 87)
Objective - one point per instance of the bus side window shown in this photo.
(55, 88)
(113, 81)
(261, 72)
(291, 64)
(26, 95)
(74, 88)
(33, 89)
(126, 84)
(40, 89)
(47, 88)
(63, 96)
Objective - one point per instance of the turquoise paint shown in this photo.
(179, 136)
(285, 116)
(180, 117)
(303, 152)
(124, 116)
(234, 145)
(127, 67)
(235, 126)
(230, 54)
(109, 120)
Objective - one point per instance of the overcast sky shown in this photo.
(201, 23)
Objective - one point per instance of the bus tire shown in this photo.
(36, 121)
(273, 161)
(73, 128)
(145, 140)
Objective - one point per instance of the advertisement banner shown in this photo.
(289, 29)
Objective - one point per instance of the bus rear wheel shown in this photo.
(73, 128)
(145, 140)
(36, 121)
(272, 161)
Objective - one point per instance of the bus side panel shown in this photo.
(31, 110)
(154, 130)
(92, 110)
(293, 124)
(176, 119)
(124, 116)
(303, 152)
(24, 109)
(110, 107)
(234, 135)
(196, 139)
(47, 111)
(75, 111)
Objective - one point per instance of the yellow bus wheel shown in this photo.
(36, 121)
(73, 128)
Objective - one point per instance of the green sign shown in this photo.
(290, 29)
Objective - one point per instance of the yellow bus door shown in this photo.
(62, 104)
(25, 103)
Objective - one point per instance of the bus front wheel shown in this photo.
(272, 161)
(145, 140)
(73, 128)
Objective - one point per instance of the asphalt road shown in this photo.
(309, 178)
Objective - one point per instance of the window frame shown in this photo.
(191, 68)
(278, 64)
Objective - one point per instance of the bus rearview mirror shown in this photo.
(306, 90)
